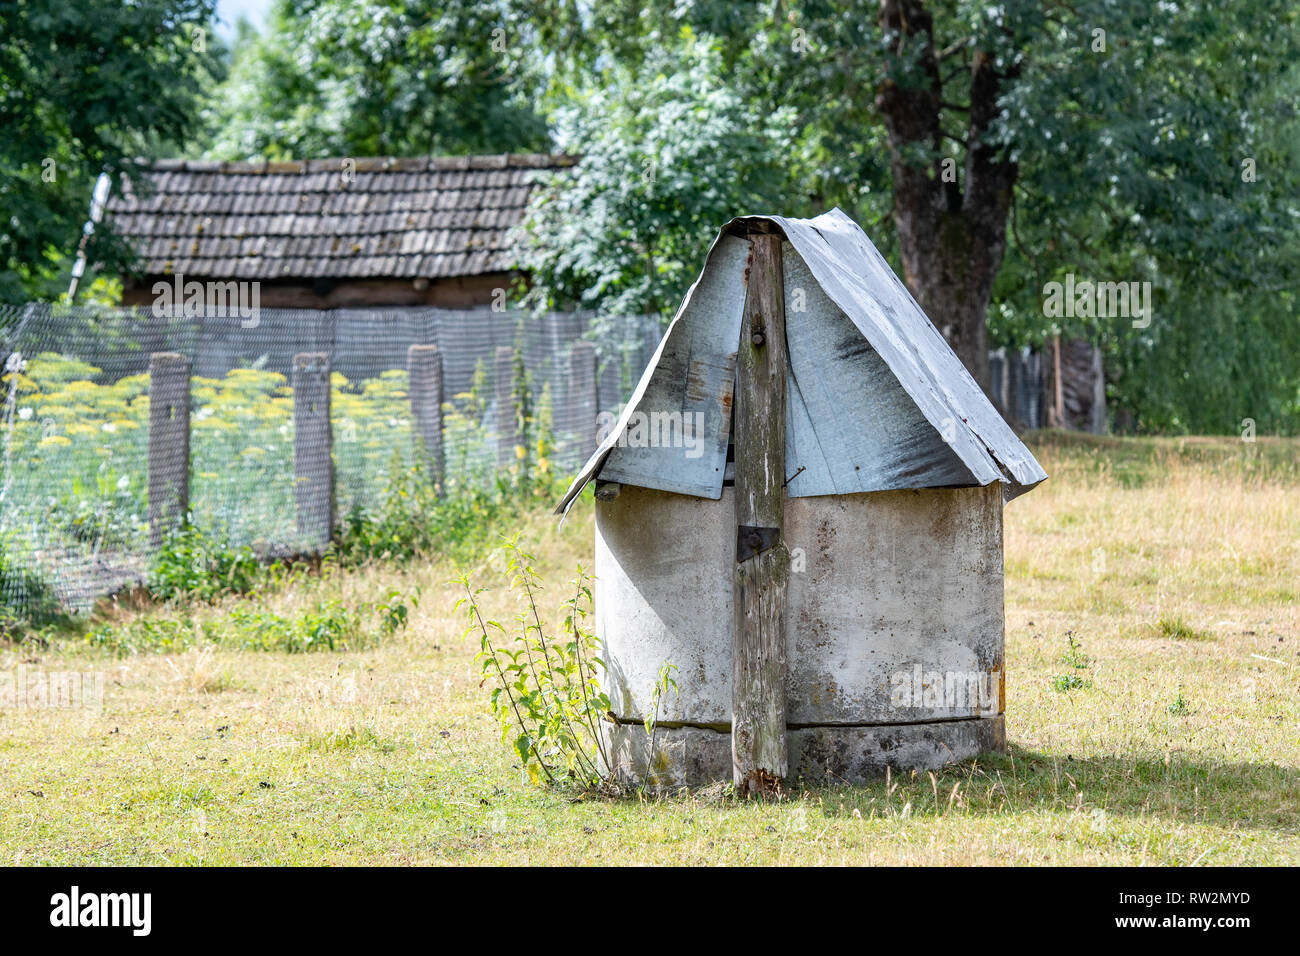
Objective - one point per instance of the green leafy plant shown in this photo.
(326, 625)
(663, 682)
(330, 625)
(394, 612)
(1178, 629)
(1181, 706)
(546, 692)
(1063, 683)
(416, 514)
(196, 565)
(27, 599)
(548, 700)
(1074, 656)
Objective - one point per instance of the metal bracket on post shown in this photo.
(751, 541)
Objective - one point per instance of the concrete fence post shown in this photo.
(1018, 412)
(998, 379)
(313, 468)
(169, 444)
(584, 405)
(507, 402)
(424, 374)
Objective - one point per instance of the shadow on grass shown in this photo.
(1190, 786)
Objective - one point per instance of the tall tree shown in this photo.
(381, 77)
(1113, 132)
(86, 88)
(669, 152)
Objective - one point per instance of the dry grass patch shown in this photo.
(1171, 567)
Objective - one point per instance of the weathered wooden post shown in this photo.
(758, 722)
(313, 468)
(507, 399)
(169, 443)
(584, 404)
(424, 373)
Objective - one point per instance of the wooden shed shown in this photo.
(331, 233)
(801, 508)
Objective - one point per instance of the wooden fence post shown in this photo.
(507, 400)
(758, 723)
(584, 404)
(313, 466)
(169, 444)
(424, 373)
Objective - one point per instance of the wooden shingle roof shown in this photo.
(377, 218)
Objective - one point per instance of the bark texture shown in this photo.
(951, 224)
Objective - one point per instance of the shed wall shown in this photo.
(890, 581)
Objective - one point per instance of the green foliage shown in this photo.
(327, 624)
(1220, 362)
(671, 150)
(546, 692)
(663, 681)
(394, 612)
(379, 77)
(1063, 683)
(1129, 149)
(1181, 706)
(86, 88)
(199, 566)
(350, 738)
(1178, 629)
(330, 625)
(547, 696)
(412, 514)
(147, 635)
(1073, 657)
(27, 598)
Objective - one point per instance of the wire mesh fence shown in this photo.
(113, 419)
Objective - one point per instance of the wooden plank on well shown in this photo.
(758, 727)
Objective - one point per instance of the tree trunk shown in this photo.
(952, 233)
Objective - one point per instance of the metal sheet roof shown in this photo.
(898, 410)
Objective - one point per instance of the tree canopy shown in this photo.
(379, 78)
(86, 88)
(988, 149)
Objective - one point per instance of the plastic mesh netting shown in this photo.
(78, 519)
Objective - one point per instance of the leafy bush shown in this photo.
(194, 564)
(548, 700)
(1073, 657)
(147, 635)
(328, 625)
(547, 695)
(414, 514)
(26, 598)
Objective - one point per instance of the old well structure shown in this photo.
(801, 509)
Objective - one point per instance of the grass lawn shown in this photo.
(1169, 735)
